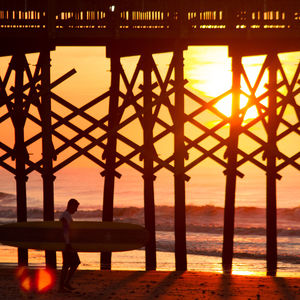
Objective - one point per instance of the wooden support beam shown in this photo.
(148, 155)
(231, 172)
(271, 170)
(20, 154)
(262, 46)
(135, 47)
(47, 148)
(179, 152)
(110, 152)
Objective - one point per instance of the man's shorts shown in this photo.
(70, 259)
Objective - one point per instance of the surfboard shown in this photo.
(84, 236)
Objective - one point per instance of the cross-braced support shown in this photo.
(148, 115)
(143, 108)
(26, 95)
(270, 117)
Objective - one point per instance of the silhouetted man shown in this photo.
(71, 259)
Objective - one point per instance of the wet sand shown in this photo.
(156, 285)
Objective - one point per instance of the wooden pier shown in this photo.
(142, 28)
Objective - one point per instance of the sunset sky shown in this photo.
(208, 70)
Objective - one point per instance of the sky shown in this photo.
(208, 71)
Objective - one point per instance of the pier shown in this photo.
(143, 28)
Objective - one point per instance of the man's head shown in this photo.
(72, 205)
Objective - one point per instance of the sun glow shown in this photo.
(225, 107)
(208, 70)
(210, 73)
(244, 273)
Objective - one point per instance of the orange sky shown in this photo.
(208, 70)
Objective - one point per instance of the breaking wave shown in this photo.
(205, 219)
(204, 228)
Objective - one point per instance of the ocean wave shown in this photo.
(287, 258)
(205, 219)
(7, 199)
(203, 246)
(192, 211)
(292, 259)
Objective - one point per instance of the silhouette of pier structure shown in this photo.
(142, 28)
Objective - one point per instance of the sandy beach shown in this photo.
(157, 285)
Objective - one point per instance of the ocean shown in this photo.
(204, 220)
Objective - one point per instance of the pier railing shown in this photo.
(189, 16)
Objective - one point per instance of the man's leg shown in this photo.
(73, 268)
(63, 276)
(69, 277)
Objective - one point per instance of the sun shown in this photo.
(210, 73)
(208, 70)
(225, 107)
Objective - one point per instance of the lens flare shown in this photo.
(24, 279)
(41, 281)
(44, 280)
(26, 284)
(21, 272)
